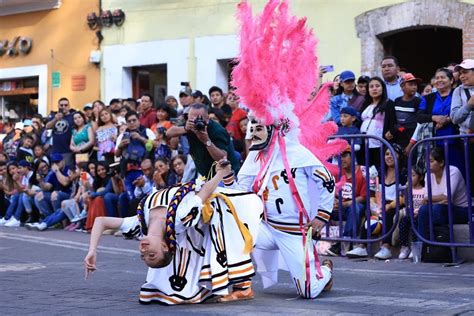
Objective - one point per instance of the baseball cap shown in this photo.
(197, 94)
(56, 157)
(27, 123)
(19, 125)
(466, 64)
(347, 75)
(349, 110)
(24, 163)
(87, 106)
(410, 77)
(364, 79)
(186, 91)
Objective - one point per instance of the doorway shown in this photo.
(150, 79)
(18, 98)
(423, 50)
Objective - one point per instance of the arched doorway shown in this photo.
(423, 50)
(375, 26)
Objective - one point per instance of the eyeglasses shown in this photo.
(132, 120)
(63, 104)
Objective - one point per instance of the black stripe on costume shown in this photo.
(184, 298)
(200, 252)
(162, 195)
(242, 278)
(152, 197)
(167, 198)
(199, 231)
(207, 266)
(237, 194)
(283, 223)
(220, 288)
(239, 263)
(219, 274)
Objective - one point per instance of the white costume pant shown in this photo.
(290, 247)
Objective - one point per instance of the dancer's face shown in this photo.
(261, 135)
(153, 250)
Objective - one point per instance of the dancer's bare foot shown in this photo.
(328, 263)
(246, 294)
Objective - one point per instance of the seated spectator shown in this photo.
(40, 154)
(348, 118)
(55, 187)
(439, 195)
(163, 176)
(418, 183)
(178, 164)
(346, 95)
(82, 139)
(3, 198)
(378, 115)
(9, 143)
(406, 108)
(25, 150)
(106, 135)
(352, 210)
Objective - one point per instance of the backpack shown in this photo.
(438, 254)
(136, 150)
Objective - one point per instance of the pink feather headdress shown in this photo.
(277, 70)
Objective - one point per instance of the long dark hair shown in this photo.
(382, 105)
(98, 181)
(33, 180)
(83, 117)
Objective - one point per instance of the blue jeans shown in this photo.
(349, 218)
(131, 176)
(124, 203)
(46, 206)
(57, 217)
(16, 207)
(439, 215)
(28, 202)
(110, 201)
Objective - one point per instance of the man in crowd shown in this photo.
(148, 115)
(87, 109)
(208, 140)
(115, 105)
(185, 98)
(61, 124)
(390, 69)
(218, 101)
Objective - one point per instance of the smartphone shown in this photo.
(185, 83)
(328, 68)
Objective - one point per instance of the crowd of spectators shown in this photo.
(75, 165)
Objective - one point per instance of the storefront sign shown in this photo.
(56, 79)
(19, 45)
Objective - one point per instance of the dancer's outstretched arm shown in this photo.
(100, 225)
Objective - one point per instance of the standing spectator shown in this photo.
(9, 144)
(186, 99)
(406, 109)
(148, 115)
(163, 115)
(218, 100)
(133, 146)
(115, 105)
(463, 105)
(346, 95)
(131, 103)
(87, 109)
(362, 85)
(237, 115)
(97, 107)
(436, 108)
(82, 139)
(61, 124)
(352, 210)
(390, 69)
(208, 140)
(439, 198)
(198, 97)
(172, 103)
(377, 116)
(106, 135)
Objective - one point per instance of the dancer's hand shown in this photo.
(317, 225)
(89, 263)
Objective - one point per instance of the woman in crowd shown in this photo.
(102, 185)
(163, 114)
(82, 139)
(439, 195)
(346, 95)
(378, 118)
(162, 150)
(97, 107)
(163, 176)
(435, 108)
(106, 135)
(178, 163)
(10, 187)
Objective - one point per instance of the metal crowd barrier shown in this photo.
(381, 175)
(445, 141)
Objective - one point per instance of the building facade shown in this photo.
(44, 55)
(195, 41)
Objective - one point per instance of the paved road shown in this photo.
(42, 273)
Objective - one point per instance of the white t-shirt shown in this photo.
(458, 186)
(372, 125)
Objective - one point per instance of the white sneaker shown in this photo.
(357, 252)
(410, 256)
(41, 226)
(404, 253)
(13, 222)
(31, 226)
(2, 221)
(383, 254)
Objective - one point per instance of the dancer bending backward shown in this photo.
(196, 241)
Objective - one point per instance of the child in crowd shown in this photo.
(418, 189)
(349, 117)
(25, 150)
(406, 109)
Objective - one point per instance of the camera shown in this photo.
(114, 169)
(199, 123)
(185, 83)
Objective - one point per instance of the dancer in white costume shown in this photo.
(274, 76)
(195, 249)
